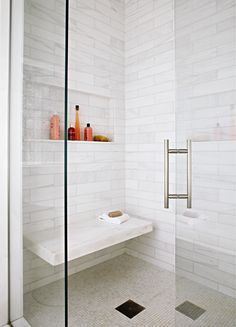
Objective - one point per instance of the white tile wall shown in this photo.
(96, 65)
(96, 82)
(205, 112)
(126, 49)
(205, 70)
(207, 249)
(149, 45)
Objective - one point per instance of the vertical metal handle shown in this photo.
(166, 174)
(189, 174)
(167, 195)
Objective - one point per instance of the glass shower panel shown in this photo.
(206, 114)
(43, 162)
(95, 169)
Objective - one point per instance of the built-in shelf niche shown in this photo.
(97, 107)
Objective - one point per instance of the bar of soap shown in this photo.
(114, 214)
(101, 138)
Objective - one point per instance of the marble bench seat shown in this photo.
(84, 238)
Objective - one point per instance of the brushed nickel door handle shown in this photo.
(166, 174)
(189, 174)
(167, 195)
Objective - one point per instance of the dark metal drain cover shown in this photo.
(130, 309)
(190, 310)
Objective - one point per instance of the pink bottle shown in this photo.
(55, 127)
(88, 133)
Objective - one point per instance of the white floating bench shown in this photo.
(84, 238)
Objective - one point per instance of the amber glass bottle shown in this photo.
(77, 123)
(71, 133)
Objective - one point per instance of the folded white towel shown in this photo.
(115, 220)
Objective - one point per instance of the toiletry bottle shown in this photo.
(88, 133)
(55, 127)
(71, 133)
(77, 123)
(218, 133)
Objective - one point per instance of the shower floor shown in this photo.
(95, 293)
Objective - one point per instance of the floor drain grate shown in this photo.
(130, 309)
(190, 310)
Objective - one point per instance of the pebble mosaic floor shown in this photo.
(95, 293)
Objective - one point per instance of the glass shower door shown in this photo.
(206, 114)
(44, 164)
(95, 168)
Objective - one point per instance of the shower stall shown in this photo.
(158, 79)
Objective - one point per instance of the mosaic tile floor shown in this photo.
(96, 292)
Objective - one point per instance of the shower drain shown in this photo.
(190, 310)
(130, 309)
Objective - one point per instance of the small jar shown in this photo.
(71, 133)
(88, 133)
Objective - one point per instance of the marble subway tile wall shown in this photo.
(126, 50)
(149, 87)
(206, 246)
(96, 64)
(96, 82)
(206, 113)
(205, 69)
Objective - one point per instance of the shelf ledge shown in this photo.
(68, 141)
